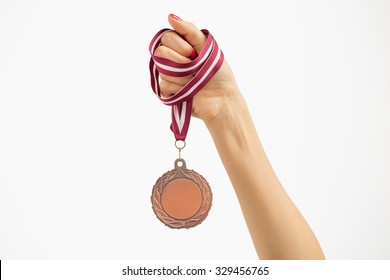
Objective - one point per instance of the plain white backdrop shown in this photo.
(83, 139)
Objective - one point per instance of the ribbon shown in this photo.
(203, 68)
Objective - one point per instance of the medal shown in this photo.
(182, 198)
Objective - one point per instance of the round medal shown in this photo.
(181, 198)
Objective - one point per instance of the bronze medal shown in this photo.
(181, 198)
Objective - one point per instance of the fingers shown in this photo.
(173, 41)
(165, 52)
(180, 46)
(169, 89)
(189, 31)
(177, 80)
(170, 85)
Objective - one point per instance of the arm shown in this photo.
(277, 228)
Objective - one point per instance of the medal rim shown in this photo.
(177, 173)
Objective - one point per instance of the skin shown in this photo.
(277, 228)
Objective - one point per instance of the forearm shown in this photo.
(277, 228)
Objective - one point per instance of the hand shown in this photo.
(179, 46)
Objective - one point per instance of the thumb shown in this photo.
(189, 31)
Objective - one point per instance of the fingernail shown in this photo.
(193, 55)
(175, 17)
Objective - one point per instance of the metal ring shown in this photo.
(180, 141)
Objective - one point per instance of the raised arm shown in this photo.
(277, 228)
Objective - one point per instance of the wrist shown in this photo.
(230, 115)
(234, 133)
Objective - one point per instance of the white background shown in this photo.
(83, 139)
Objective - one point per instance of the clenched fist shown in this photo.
(182, 46)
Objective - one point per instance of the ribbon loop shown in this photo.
(203, 68)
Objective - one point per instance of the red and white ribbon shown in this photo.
(203, 68)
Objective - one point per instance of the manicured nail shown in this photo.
(193, 55)
(175, 17)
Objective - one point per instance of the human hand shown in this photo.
(181, 46)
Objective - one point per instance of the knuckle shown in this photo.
(192, 28)
(161, 51)
(187, 49)
(168, 89)
(164, 88)
(167, 38)
(192, 25)
(175, 41)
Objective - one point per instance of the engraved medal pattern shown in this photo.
(175, 188)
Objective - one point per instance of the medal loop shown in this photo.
(180, 164)
(180, 146)
(203, 68)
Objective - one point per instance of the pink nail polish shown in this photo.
(193, 55)
(175, 17)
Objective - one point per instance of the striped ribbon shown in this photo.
(203, 68)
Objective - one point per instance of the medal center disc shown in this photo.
(181, 198)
